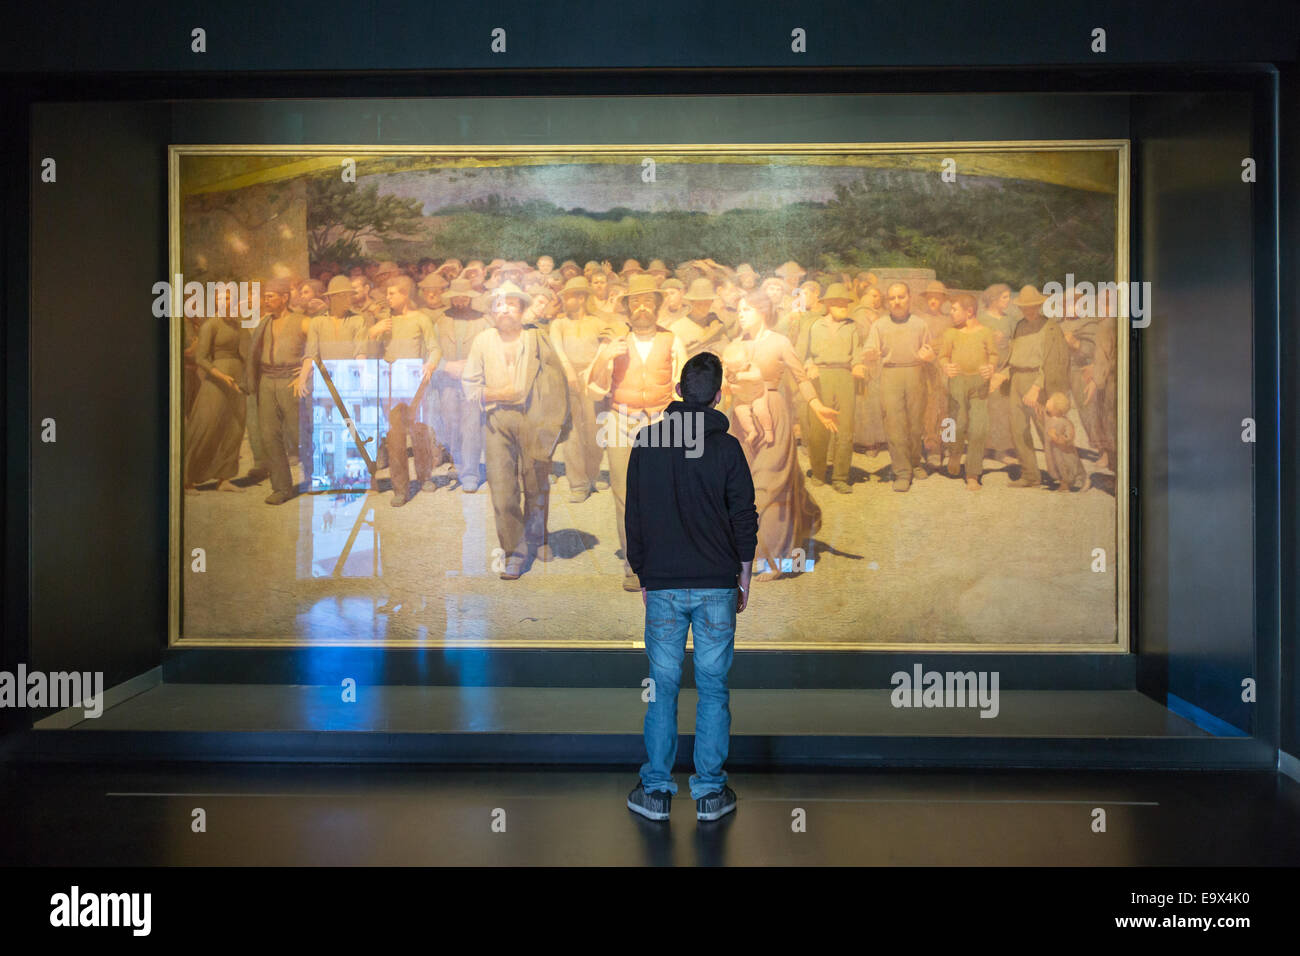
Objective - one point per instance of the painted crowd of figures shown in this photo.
(517, 362)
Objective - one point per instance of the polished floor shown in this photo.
(602, 726)
(312, 815)
(427, 709)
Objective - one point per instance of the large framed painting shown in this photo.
(406, 382)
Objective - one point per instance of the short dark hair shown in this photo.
(701, 378)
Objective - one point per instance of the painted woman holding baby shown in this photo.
(788, 517)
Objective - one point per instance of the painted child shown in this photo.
(748, 394)
(1062, 456)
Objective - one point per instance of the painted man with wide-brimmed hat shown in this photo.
(515, 376)
(637, 372)
(658, 269)
(700, 330)
(1037, 366)
(833, 350)
(430, 289)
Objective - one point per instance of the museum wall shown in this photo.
(14, 635)
(1195, 476)
(1289, 406)
(243, 35)
(99, 369)
(595, 120)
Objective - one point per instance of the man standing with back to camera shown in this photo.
(692, 529)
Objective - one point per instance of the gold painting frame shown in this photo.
(1122, 558)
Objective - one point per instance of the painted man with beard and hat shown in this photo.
(514, 375)
(637, 372)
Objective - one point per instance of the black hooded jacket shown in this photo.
(690, 516)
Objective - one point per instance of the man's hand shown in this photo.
(742, 589)
(300, 387)
(827, 416)
(950, 369)
(925, 353)
(643, 604)
(1031, 396)
(986, 373)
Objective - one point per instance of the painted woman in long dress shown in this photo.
(214, 428)
(787, 515)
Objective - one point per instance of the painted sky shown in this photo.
(704, 187)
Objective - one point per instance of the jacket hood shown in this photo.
(714, 420)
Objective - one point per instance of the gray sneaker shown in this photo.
(713, 806)
(652, 806)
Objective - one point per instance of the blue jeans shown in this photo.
(711, 615)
